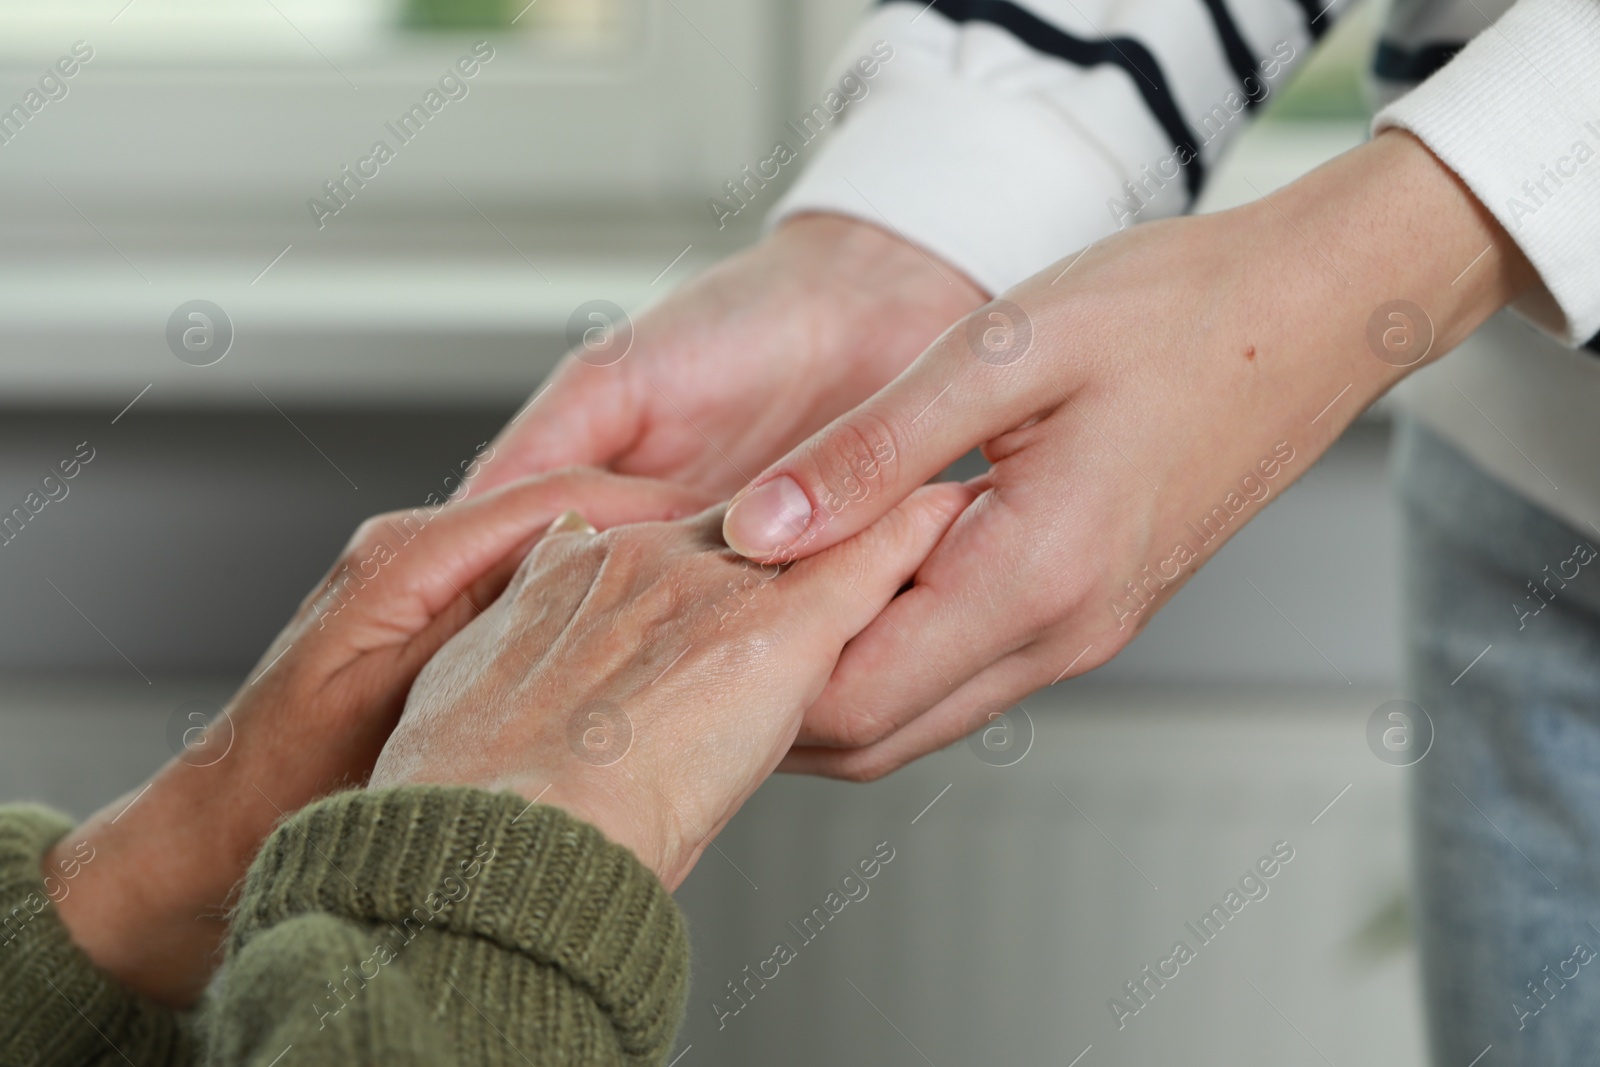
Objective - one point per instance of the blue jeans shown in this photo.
(1506, 804)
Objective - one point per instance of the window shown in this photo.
(204, 34)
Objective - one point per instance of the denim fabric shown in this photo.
(1506, 805)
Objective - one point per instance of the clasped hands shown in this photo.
(606, 672)
(477, 654)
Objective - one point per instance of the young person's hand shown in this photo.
(150, 907)
(744, 361)
(1139, 405)
(647, 679)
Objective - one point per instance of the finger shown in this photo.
(1021, 562)
(838, 593)
(928, 642)
(1013, 567)
(996, 689)
(585, 416)
(428, 557)
(854, 471)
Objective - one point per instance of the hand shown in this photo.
(1178, 376)
(744, 361)
(150, 906)
(647, 679)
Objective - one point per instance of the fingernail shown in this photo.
(770, 517)
(570, 521)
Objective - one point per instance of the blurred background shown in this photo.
(367, 353)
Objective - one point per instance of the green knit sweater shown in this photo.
(420, 925)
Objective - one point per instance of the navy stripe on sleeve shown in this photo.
(1397, 63)
(1240, 58)
(1123, 52)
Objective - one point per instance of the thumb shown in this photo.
(586, 416)
(429, 556)
(969, 387)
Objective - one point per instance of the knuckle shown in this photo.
(644, 567)
(857, 729)
(366, 531)
(867, 765)
(367, 536)
(756, 647)
(739, 648)
(854, 460)
(572, 555)
(1038, 588)
(631, 556)
(1076, 650)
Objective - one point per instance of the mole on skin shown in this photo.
(1250, 352)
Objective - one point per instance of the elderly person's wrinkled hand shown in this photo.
(152, 907)
(647, 679)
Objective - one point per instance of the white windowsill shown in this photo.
(389, 322)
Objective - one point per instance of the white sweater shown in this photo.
(1003, 136)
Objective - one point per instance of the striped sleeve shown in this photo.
(1516, 114)
(1002, 136)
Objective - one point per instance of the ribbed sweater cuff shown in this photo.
(529, 878)
(56, 1005)
(1517, 116)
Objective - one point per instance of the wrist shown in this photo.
(1370, 267)
(855, 269)
(1389, 222)
(652, 829)
(151, 908)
